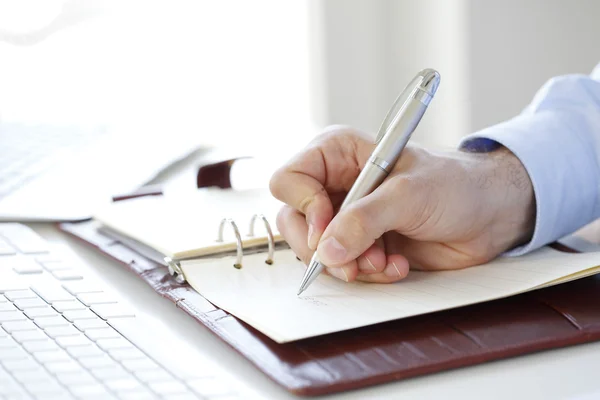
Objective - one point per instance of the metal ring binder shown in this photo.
(271, 253)
(238, 237)
(175, 270)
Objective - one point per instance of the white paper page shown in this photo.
(187, 226)
(265, 295)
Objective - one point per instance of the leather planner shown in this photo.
(544, 319)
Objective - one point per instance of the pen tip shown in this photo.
(300, 291)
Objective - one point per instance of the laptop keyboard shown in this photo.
(28, 151)
(60, 338)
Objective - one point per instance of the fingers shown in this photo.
(396, 269)
(372, 266)
(329, 165)
(434, 256)
(392, 206)
(292, 225)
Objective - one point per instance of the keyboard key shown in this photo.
(109, 344)
(34, 313)
(31, 376)
(210, 387)
(76, 379)
(122, 384)
(126, 354)
(7, 316)
(25, 240)
(47, 387)
(79, 352)
(63, 366)
(7, 341)
(62, 306)
(140, 394)
(44, 322)
(24, 364)
(103, 333)
(39, 345)
(110, 373)
(168, 388)
(98, 362)
(7, 307)
(15, 326)
(6, 249)
(45, 357)
(14, 353)
(27, 266)
(139, 364)
(96, 298)
(51, 293)
(87, 391)
(188, 396)
(12, 286)
(153, 375)
(67, 274)
(24, 336)
(58, 331)
(23, 304)
(85, 324)
(55, 265)
(106, 311)
(13, 295)
(71, 341)
(74, 315)
(79, 287)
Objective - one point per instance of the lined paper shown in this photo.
(264, 295)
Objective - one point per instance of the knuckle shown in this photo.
(355, 226)
(338, 133)
(275, 186)
(283, 216)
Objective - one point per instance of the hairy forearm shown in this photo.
(511, 197)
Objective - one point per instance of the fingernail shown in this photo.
(332, 252)
(338, 273)
(312, 244)
(368, 266)
(392, 270)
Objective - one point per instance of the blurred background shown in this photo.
(268, 74)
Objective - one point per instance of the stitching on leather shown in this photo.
(472, 338)
(570, 319)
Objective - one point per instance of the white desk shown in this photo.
(566, 373)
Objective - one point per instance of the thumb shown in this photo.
(392, 206)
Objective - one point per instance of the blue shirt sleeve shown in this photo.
(557, 139)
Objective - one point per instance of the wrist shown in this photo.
(512, 200)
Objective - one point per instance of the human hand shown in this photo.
(435, 210)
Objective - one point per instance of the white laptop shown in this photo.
(64, 335)
(52, 172)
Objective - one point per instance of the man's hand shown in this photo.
(434, 211)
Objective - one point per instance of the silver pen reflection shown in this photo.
(396, 129)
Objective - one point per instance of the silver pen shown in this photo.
(395, 131)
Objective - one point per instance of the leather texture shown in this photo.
(554, 317)
(549, 318)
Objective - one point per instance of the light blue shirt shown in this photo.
(557, 138)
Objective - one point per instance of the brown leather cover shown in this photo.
(554, 317)
(544, 319)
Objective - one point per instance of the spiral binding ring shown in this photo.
(271, 253)
(175, 270)
(238, 237)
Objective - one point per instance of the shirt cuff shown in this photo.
(561, 165)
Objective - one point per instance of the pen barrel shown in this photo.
(390, 147)
(369, 178)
